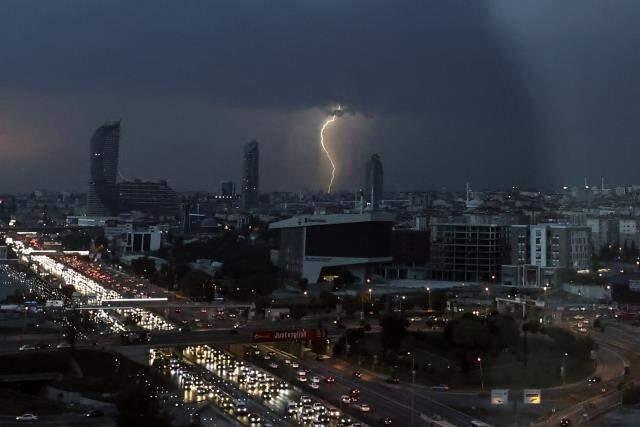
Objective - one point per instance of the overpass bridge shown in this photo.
(160, 303)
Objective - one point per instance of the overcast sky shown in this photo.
(533, 93)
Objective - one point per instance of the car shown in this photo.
(441, 387)
(315, 386)
(241, 409)
(319, 407)
(329, 380)
(273, 365)
(387, 421)
(357, 374)
(292, 408)
(254, 418)
(594, 380)
(27, 417)
(62, 345)
(315, 379)
(27, 347)
(295, 364)
(94, 414)
(364, 407)
(345, 398)
(565, 422)
(393, 380)
(305, 400)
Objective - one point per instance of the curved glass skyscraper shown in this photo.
(103, 191)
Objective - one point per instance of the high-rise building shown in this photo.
(148, 197)
(227, 188)
(250, 175)
(103, 192)
(374, 181)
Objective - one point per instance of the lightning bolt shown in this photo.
(333, 165)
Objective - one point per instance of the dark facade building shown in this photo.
(469, 252)
(410, 247)
(148, 197)
(317, 246)
(227, 189)
(250, 175)
(103, 191)
(374, 181)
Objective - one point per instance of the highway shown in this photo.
(385, 399)
(617, 346)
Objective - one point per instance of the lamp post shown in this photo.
(402, 299)
(481, 374)
(371, 298)
(429, 299)
(413, 388)
(306, 301)
(563, 370)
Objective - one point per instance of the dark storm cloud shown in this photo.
(457, 84)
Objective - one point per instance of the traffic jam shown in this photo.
(244, 391)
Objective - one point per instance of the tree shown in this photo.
(72, 328)
(597, 324)
(394, 329)
(197, 284)
(631, 395)
(136, 407)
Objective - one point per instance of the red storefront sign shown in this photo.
(289, 335)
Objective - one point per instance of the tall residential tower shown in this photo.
(250, 175)
(103, 192)
(374, 181)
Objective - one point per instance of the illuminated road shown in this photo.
(385, 399)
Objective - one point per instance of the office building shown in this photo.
(464, 252)
(538, 252)
(605, 232)
(318, 247)
(551, 245)
(133, 239)
(153, 198)
(374, 181)
(250, 175)
(103, 192)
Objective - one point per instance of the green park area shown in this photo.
(471, 352)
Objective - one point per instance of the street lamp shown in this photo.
(371, 298)
(429, 299)
(306, 301)
(402, 299)
(564, 368)
(413, 388)
(481, 374)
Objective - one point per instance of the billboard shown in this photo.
(289, 335)
(532, 396)
(499, 396)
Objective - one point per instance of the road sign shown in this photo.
(289, 335)
(499, 396)
(532, 396)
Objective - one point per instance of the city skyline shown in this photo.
(492, 94)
